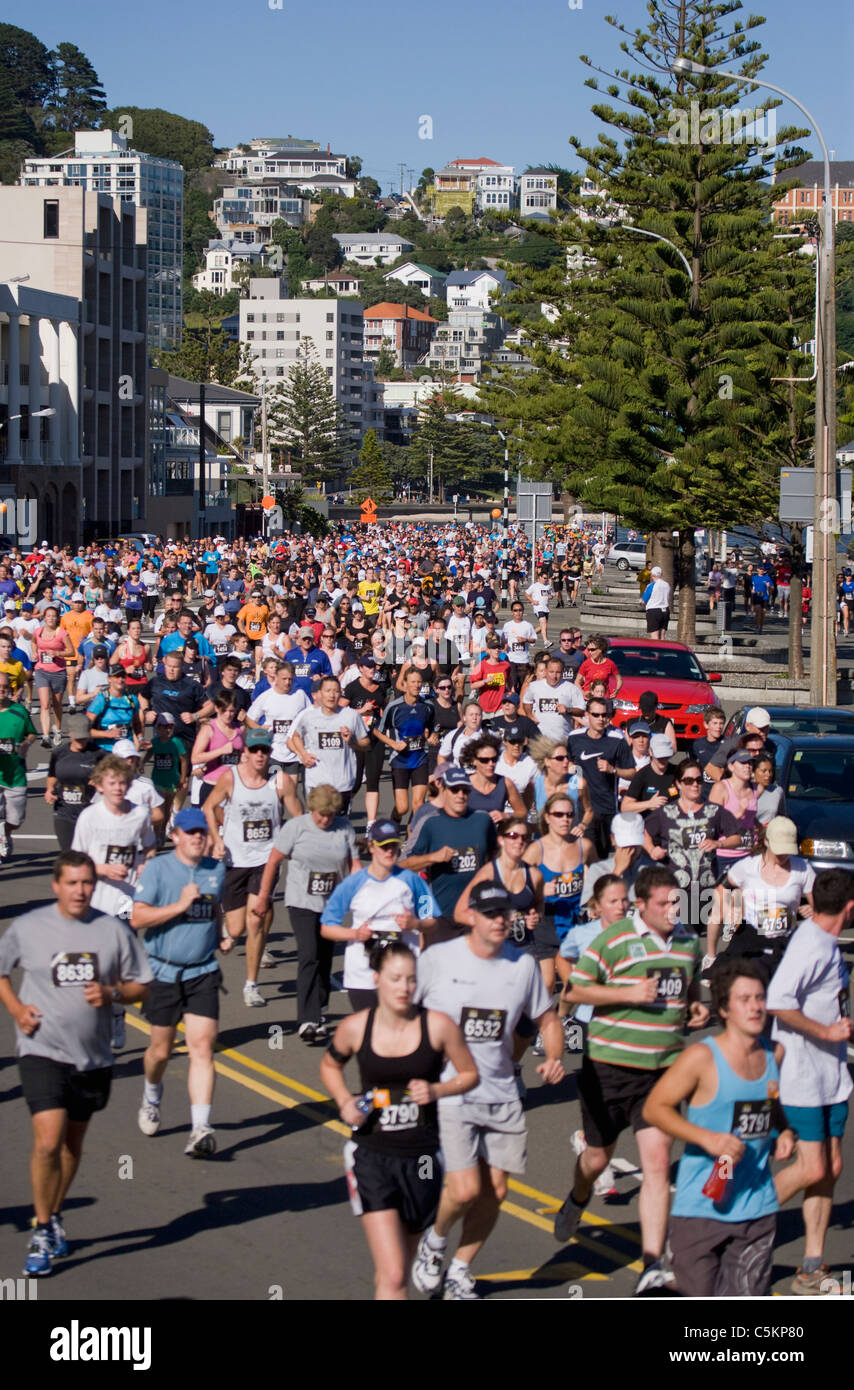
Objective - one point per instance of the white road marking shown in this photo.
(16, 837)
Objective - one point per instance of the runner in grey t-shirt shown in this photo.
(76, 963)
(486, 987)
(325, 740)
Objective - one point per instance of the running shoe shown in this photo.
(202, 1142)
(119, 1037)
(252, 996)
(567, 1220)
(308, 1032)
(46, 743)
(268, 961)
(4, 843)
(322, 1031)
(57, 737)
(427, 1267)
(605, 1185)
(811, 1284)
(460, 1287)
(539, 1047)
(148, 1118)
(654, 1278)
(58, 1238)
(40, 1253)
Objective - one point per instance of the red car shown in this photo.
(672, 670)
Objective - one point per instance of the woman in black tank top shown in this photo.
(523, 882)
(394, 1174)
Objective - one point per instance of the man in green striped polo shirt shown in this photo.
(642, 977)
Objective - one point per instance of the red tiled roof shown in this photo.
(387, 310)
(481, 160)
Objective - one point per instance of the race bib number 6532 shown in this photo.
(483, 1025)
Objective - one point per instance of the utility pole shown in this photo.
(402, 172)
(265, 471)
(202, 480)
(430, 478)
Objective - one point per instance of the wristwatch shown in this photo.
(117, 998)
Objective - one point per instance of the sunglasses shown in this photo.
(486, 760)
(691, 781)
(443, 687)
(515, 835)
(460, 791)
(559, 758)
(560, 815)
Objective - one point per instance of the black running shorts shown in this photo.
(612, 1099)
(167, 1004)
(239, 883)
(409, 1185)
(50, 1085)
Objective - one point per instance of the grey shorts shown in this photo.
(722, 1259)
(496, 1133)
(15, 799)
(51, 680)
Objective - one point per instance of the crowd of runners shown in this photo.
(519, 875)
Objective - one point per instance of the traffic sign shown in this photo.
(369, 511)
(268, 503)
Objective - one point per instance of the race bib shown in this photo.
(202, 909)
(748, 839)
(568, 885)
(548, 706)
(254, 627)
(424, 690)
(671, 983)
(121, 854)
(326, 742)
(398, 1111)
(302, 669)
(256, 831)
(464, 861)
(773, 922)
(163, 762)
(71, 796)
(416, 744)
(229, 759)
(751, 1119)
(518, 646)
(693, 837)
(137, 673)
(321, 885)
(280, 727)
(483, 1025)
(7, 745)
(74, 968)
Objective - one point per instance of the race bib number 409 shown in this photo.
(483, 1025)
(671, 983)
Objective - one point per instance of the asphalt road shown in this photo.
(267, 1217)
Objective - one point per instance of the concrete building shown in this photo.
(366, 248)
(274, 328)
(405, 330)
(174, 508)
(465, 342)
(247, 210)
(805, 202)
(89, 248)
(401, 403)
(101, 162)
(430, 282)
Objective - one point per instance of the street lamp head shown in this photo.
(682, 66)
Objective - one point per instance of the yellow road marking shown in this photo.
(563, 1271)
(521, 1213)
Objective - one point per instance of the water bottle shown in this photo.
(718, 1181)
(364, 1104)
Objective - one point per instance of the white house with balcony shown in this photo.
(473, 289)
(221, 260)
(430, 282)
(537, 192)
(495, 190)
(366, 248)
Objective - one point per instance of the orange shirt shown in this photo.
(254, 617)
(77, 625)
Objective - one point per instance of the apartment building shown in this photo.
(405, 330)
(300, 163)
(465, 342)
(805, 202)
(274, 328)
(88, 366)
(256, 206)
(537, 192)
(102, 163)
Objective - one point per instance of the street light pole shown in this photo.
(606, 223)
(823, 628)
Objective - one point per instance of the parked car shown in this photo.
(797, 719)
(627, 555)
(672, 670)
(816, 772)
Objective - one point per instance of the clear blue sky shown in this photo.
(500, 79)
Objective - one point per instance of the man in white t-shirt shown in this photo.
(550, 702)
(541, 593)
(809, 999)
(459, 628)
(325, 740)
(277, 708)
(519, 637)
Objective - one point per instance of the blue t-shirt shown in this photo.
(308, 666)
(112, 711)
(761, 586)
(174, 641)
(88, 645)
(185, 945)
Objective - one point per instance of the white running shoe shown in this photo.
(252, 996)
(148, 1118)
(268, 961)
(460, 1287)
(427, 1267)
(202, 1142)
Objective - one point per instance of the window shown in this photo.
(329, 371)
(330, 352)
(250, 318)
(51, 217)
(330, 318)
(329, 337)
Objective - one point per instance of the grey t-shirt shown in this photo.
(486, 998)
(59, 956)
(317, 859)
(336, 756)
